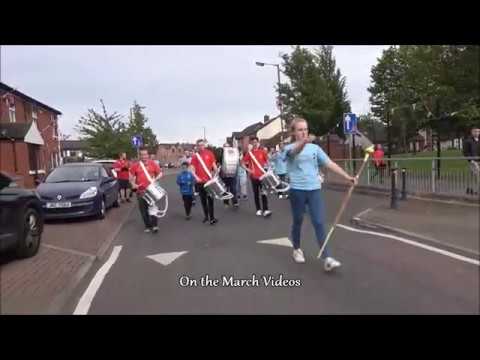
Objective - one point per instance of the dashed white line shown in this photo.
(414, 243)
(86, 300)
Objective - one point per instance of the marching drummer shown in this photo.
(204, 160)
(254, 162)
(229, 163)
(140, 182)
(303, 162)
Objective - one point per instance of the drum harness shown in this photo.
(152, 207)
(210, 175)
(264, 172)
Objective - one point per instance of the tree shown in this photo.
(427, 83)
(372, 127)
(336, 84)
(316, 89)
(104, 133)
(137, 125)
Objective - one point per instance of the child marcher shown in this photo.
(186, 182)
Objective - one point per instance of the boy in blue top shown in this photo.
(303, 162)
(186, 181)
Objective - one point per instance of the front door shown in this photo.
(33, 151)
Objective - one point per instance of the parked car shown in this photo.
(21, 219)
(78, 190)
(108, 164)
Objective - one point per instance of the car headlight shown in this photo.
(91, 192)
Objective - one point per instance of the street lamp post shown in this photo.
(280, 102)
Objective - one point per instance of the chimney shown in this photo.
(266, 118)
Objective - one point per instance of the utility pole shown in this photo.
(280, 103)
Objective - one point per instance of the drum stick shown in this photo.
(344, 203)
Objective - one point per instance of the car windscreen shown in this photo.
(74, 174)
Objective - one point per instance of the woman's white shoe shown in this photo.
(298, 256)
(331, 263)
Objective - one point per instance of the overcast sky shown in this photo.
(183, 88)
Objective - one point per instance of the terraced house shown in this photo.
(29, 138)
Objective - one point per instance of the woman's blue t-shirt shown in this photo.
(303, 168)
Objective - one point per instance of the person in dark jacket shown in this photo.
(471, 148)
(186, 182)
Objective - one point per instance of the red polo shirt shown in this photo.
(122, 174)
(140, 178)
(209, 159)
(262, 158)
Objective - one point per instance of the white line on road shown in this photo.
(363, 212)
(70, 251)
(280, 241)
(167, 258)
(414, 243)
(87, 298)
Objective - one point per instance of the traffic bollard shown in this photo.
(393, 193)
(404, 184)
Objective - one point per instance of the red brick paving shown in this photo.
(29, 286)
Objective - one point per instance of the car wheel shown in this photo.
(30, 234)
(103, 210)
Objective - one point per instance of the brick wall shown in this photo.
(171, 152)
(7, 162)
(23, 114)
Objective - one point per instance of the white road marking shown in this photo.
(363, 212)
(86, 300)
(414, 243)
(280, 241)
(167, 258)
(70, 251)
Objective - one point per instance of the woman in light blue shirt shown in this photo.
(303, 161)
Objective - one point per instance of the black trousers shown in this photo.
(149, 221)
(187, 203)
(231, 185)
(207, 202)
(257, 186)
(124, 187)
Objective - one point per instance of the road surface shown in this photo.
(380, 275)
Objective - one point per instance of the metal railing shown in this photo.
(456, 176)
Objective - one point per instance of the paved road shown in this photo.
(379, 274)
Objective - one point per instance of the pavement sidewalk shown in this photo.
(452, 227)
(43, 283)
